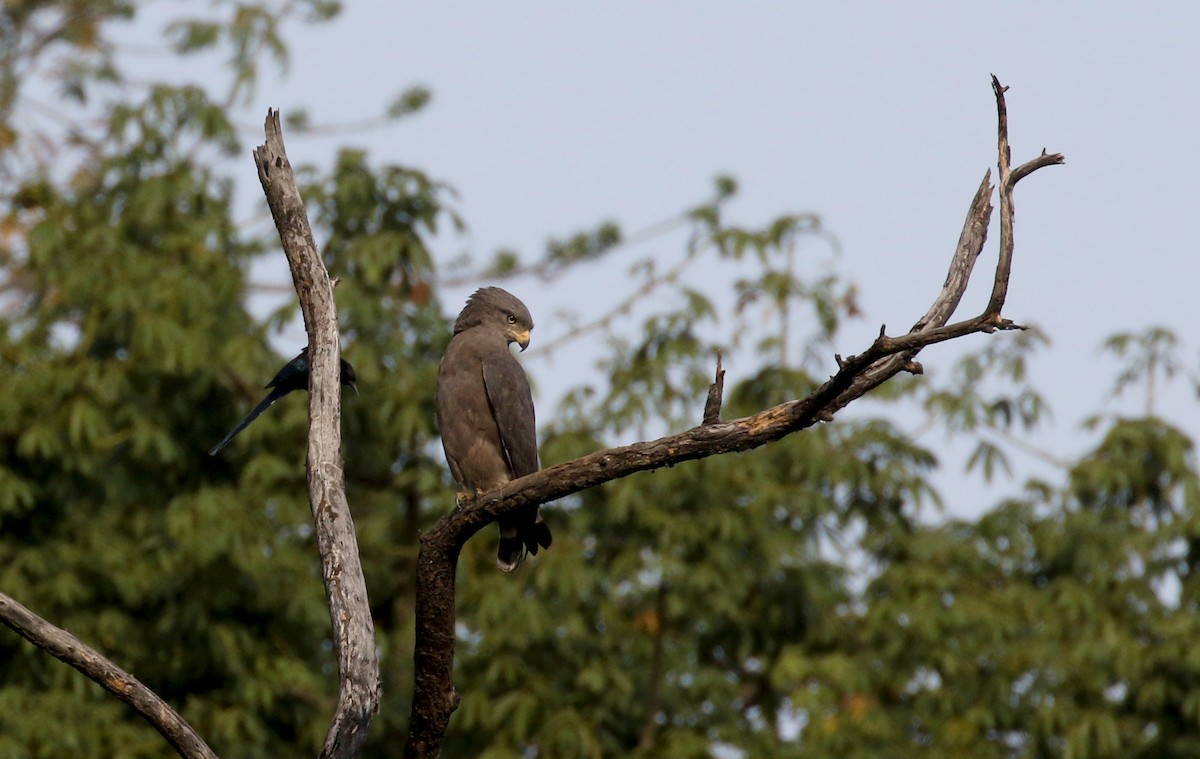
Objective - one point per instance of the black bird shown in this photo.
(293, 376)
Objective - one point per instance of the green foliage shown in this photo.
(116, 527)
(126, 351)
(782, 602)
(988, 397)
(409, 101)
(1148, 359)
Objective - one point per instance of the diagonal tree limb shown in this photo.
(65, 647)
(434, 697)
(341, 568)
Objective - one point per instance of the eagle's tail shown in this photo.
(519, 534)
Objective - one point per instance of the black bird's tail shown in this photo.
(524, 531)
(262, 406)
(293, 376)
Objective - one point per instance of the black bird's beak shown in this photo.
(354, 387)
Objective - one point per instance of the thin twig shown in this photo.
(550, 268)
(624, 306)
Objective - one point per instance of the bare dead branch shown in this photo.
(716, 392)
(1027, 168)
(1008, 180)
(434, 697)
(970, 244)
(65, 647)
(962, 263)
(341, 568)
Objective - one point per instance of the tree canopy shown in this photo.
(788, 601)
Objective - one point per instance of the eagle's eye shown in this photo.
(512, 319)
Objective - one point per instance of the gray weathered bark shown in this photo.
(341, 568)
(67, 648)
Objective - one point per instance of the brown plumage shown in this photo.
(485, 412)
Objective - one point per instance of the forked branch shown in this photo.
(434, 697)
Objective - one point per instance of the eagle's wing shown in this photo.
(512, 407)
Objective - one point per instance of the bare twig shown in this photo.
(716, 392)
(434, 697)
(1061, 463)
(67, 648)
(341, 568)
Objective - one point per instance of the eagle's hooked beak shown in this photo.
(521, 338)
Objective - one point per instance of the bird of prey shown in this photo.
(485, 412)
(293, 376)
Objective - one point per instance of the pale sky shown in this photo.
(549, 117)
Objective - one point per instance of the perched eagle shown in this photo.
(485, 412)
